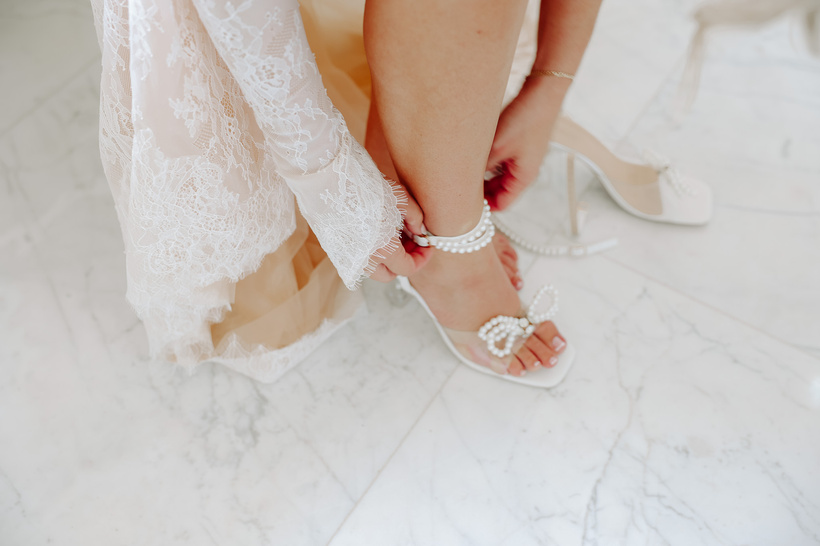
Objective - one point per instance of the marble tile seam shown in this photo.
(398, 447)
(806, 351)
(29, 228)
(4, 131)
(307, 442)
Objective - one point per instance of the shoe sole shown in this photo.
(544, 378)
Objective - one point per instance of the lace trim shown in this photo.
(354, 213)
(267, 365)
(212, 117)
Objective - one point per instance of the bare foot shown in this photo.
(466, 290)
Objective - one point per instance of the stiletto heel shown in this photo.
(571, 198)
(577, 216)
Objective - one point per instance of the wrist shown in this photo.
(547, 85)
(543, 95)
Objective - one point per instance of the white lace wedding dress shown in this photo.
(214, 124)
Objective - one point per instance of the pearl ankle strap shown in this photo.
(476, 239)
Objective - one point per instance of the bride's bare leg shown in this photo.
(377, 148)
(439, 70)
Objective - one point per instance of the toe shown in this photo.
(504, 247)
(512, 252)
(511, 269)
(545, 354)
(504, 243)
(509, 261)
(550, 336)
(539, 350)
(528, 358)
(516, 367)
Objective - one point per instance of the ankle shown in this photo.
(452, 223)
(462, 270)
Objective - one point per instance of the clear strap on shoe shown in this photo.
(475, 239)
(501, 332)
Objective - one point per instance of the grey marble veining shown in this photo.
(89, 426)
(692, 415)
(753, 133)
(677, 426)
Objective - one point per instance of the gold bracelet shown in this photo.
(555, 73)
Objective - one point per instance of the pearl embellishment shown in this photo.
(501, 332)
(476, 239)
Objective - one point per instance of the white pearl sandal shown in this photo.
(654, 192)
(491, 349)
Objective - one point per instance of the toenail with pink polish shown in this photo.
(536, 364)
(558, 343)
(553, 361)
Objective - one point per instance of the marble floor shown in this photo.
(691, 416)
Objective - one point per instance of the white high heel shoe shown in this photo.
(654, 192)
(491, 349)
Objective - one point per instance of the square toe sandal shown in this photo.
(654, 191)
(491, 349)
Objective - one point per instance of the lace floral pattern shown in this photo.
(341, 193)
(213, 118)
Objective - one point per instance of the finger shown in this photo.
(505, 188)
(419, 254)
(406, 263)
(492, 189)
(496, 188)
(495, 159)
(382, 274)
(507, 197)
(413, 216)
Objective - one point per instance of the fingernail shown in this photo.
(553, 361)
(536, 364)
(558, 343)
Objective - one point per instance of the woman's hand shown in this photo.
(522, 139)
(406, 257)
